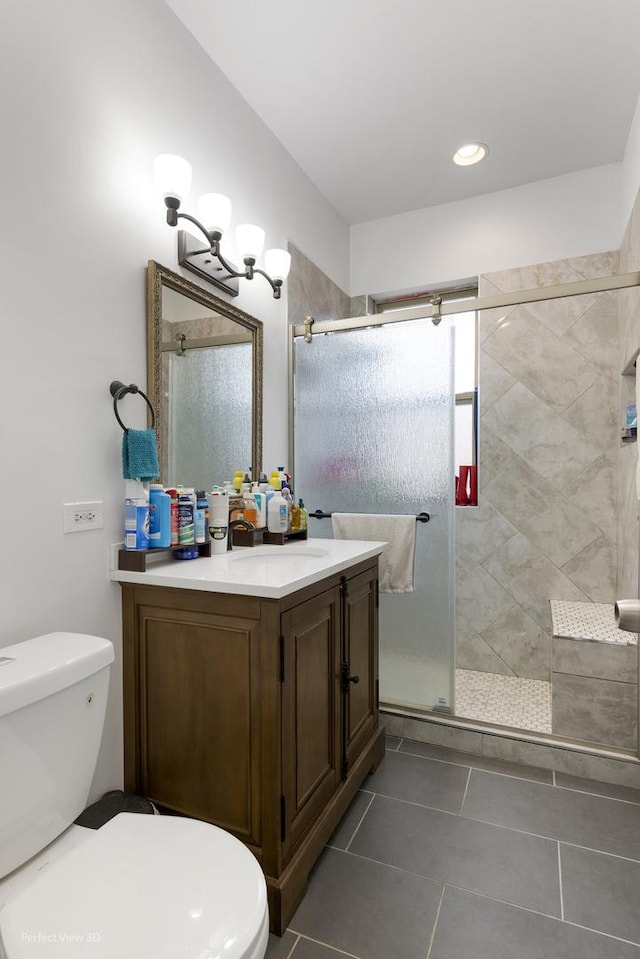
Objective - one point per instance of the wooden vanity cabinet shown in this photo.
(255, 714)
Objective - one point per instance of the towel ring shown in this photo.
(118, 390)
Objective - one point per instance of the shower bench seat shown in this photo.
(594, 679)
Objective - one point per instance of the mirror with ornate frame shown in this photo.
(204, 379)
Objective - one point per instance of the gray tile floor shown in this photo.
(444, 855)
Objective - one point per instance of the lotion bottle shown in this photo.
(277, 514)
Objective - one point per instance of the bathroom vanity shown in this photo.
(251, 695)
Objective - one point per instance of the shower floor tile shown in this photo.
(506, 700)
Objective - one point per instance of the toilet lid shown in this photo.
(144, 887)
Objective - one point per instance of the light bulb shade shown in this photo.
(249, 240)
(173, 175)
(277, 264)
(214, 211)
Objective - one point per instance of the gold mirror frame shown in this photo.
(159, 277)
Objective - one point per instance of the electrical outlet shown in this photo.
(82, 516)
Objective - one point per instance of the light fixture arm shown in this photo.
(213, 238)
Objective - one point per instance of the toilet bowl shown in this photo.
(141, 887)
(160, 887)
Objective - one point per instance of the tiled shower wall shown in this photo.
(310, 292)
(547, 524)
(629, 301)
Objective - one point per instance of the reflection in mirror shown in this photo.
(205, 382)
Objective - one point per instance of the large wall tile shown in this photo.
(480, 531)
(541, 436)
(493, 381)
(598, 660)
(596, 334)
(539, 359)
(595, 414)
(531, 579)
(595, 710)
(473, 652)
(594, 570)
(480, 600)
(530, 277)
(557, 528)
(495, 455)
(521, 643)
(594, 493)
(560, 314)
(310, 291)
(597, 264)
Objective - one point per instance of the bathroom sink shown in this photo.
(278, 555)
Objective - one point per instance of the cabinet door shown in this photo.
(199, 717)
(310, 713)
(360, 658)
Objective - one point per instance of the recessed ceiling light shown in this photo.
(470, 153)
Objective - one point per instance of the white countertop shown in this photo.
(269, 571)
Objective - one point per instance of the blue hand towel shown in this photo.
(140, 455)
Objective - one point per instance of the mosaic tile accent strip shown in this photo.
(590, 621)
(507, 700)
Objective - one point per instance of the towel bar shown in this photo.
(118, 390)
(320, 514)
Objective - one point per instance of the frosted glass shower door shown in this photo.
(373, 433)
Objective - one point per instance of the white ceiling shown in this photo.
(372, 97)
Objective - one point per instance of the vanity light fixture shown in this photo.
(470, 153)
(173, 179)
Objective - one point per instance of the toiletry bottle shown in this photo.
(136, 515)
(304, 514)
(250, 509)
(260, 501)
(284, 478)
(286, 495)
(159, 517)
(218, 520)
(186, 504)
(173, 494)
(277, 514)
(295, 517)
(200, 523)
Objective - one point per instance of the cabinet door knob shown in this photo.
(346, 678)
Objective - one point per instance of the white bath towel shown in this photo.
(399, 532)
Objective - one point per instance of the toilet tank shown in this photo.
(53, 697)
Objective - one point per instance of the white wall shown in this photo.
(566, 216)
(90, 91)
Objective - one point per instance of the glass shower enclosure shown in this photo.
(373, 408)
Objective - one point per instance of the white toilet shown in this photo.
(141, 887)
